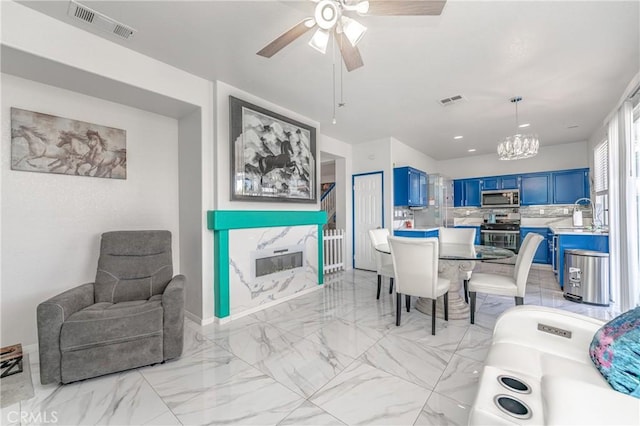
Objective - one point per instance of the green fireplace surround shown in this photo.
(221, 221)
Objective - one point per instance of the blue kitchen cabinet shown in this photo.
(540, 188)
(477, 241)
(509, 182)
(499, 182)
(458, 193)
(569, 185)
(535, 188)
(549, 243)
(576, 241)
(542, 252)
(472, 192)
(490, 183)
(416, 234)
(422, 199)
(409, 187)
(466, 192)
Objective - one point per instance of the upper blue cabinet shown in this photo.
(510, 182)
(490, 183)
(499, 182)
(535, 188)
(569, 185)
(466, 192)
(557, 187)
(409, 187)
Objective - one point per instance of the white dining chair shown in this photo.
(415, 263)
(459, 236)
(384, 264)
(505, 285)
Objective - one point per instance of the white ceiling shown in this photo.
(569, 60)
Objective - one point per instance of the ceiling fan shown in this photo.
(330, 19)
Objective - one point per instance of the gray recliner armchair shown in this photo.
(132, 316)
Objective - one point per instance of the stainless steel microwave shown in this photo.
(501, 198)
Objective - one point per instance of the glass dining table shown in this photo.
(455, 260)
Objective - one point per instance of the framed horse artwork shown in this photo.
(273, 157)
(49, 144)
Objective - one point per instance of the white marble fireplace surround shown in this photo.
(248, 295)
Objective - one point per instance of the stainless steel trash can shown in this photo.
(586, 277)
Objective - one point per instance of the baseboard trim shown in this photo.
(195, 318)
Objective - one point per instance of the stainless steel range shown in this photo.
(501, 230)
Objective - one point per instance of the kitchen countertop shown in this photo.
(560, 230)
(417, 229)
(568, 230)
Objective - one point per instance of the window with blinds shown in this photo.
(601, 182)
(601, 167)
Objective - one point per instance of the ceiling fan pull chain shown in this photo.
(333, 54)
(342, 65)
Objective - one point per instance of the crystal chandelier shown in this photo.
(518, 146)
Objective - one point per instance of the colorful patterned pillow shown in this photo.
(615, 351)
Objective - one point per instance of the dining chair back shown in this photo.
(384, 264)
(514, 286)
(415, 265)
(525, 260)
(459, 236)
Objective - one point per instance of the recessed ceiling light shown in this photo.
(472, 150)
(458, 137)
(522, 126)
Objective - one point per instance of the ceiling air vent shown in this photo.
(452, 100)
(99, 21)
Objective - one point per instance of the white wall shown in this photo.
(385, 154)
(44, 37)
(375, 156)
(191, 211)
(343, 153)
(223, 152)
(52, 223)
(556, 157)
(28, 30)
(328, 172)
(336, 148)
(404, 155)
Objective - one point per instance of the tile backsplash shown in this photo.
(545, 211)
(541, 215)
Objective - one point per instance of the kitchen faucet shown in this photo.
(593, 210)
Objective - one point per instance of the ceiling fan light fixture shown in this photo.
(353, 29)
(320, 40)
(326, 14)
(362, 7)
(309, 22)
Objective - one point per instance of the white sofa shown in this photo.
(565, 386)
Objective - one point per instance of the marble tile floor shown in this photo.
(331, 357)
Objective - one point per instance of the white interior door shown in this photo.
(367, 214)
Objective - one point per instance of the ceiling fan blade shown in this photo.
(350, 53)
(283, 40)
(405, 7)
